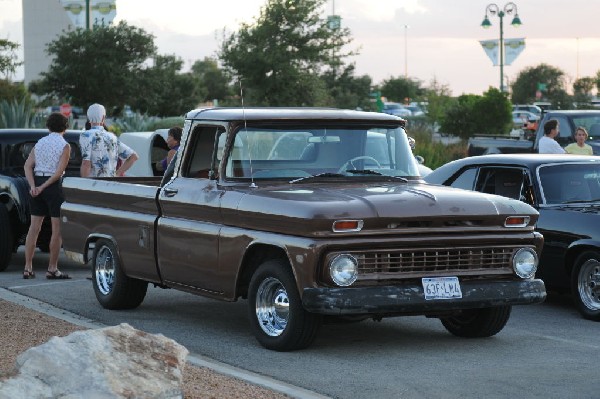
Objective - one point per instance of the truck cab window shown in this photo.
(200, 163)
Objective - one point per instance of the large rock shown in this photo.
(112, 362)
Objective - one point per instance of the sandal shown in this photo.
(28, 274)
(56, 275)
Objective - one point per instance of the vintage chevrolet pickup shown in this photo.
(312, 215)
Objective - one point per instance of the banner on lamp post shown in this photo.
(103, 12)
(512, 49)
(76, 11)
(491, 49)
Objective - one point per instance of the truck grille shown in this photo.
(436, 261)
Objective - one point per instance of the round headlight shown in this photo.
(343, 269)
(525, 263)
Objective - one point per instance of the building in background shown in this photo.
(44, 21)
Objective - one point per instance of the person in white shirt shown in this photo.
(44, 170)
(547, 144)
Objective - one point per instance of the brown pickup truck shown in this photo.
(311, 215)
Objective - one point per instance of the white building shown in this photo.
(45, 20)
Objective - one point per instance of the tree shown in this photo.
(280, 58)
(548, 80)
(163, 90)
(439, 100)
(473, 114)
(8, 57)
(347, 91)
(212, 82)
(582, 91)
(102, 65)
(402, 89)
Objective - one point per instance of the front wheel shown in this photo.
(478, 323)
(585, 285)
(277, 317)
(113, 289)
(6, 238)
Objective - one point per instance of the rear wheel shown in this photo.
(478, 323)
(278, 319)
(113, 289)
(585, 285)
(6, 238)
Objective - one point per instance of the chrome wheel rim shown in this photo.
(588, 284)
(105, 270)
(272, 307)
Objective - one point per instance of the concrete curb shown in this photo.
(194, 359)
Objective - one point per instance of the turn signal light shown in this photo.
(347, 225)
(516, 221)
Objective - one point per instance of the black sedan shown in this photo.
(565, 189)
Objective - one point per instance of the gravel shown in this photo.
(22, 328)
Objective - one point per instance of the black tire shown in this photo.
(478, 323)
(278, 320)
(6, 238)
(113, 289)
(585, 285)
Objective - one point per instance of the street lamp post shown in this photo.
(509, 9)
(405, 52)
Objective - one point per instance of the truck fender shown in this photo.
(90, 244)
(255, 254)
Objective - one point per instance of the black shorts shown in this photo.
(49, 201)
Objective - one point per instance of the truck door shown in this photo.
(188, 229)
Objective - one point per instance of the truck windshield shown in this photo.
(284, 153)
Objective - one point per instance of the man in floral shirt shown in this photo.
(101, 150)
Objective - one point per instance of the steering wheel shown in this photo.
(350, 162)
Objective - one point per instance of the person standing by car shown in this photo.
(580, 147)
(547, 144)
(101, 149)
(44, 169)
(173, 141)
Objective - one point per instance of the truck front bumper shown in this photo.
(410, 299)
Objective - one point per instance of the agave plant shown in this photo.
(18, 114)
(136, 123)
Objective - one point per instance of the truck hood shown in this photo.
(379, 206)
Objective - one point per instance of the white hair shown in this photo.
(96, 113)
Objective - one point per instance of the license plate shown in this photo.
(441, 288)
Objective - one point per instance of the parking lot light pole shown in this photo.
(509, 9)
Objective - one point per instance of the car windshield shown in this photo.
(292, 153)
(570, 183)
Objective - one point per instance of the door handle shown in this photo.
(170, 192)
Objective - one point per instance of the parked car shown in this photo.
(534, 109)
(396, 109)
(292, 210)
(15, 146)
(569, 121)
(150, 147)
(521, 119)
(565, 189)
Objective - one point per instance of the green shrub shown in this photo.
(435, 154)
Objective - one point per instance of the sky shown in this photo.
(424, 40)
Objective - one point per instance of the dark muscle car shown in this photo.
(15, 145)
(565, 189)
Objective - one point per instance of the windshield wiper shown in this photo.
(364, 172)
(324, 174)
(581, 201)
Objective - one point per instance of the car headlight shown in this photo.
(525, 263)
(343, 269)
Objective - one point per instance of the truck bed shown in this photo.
(114, 207)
